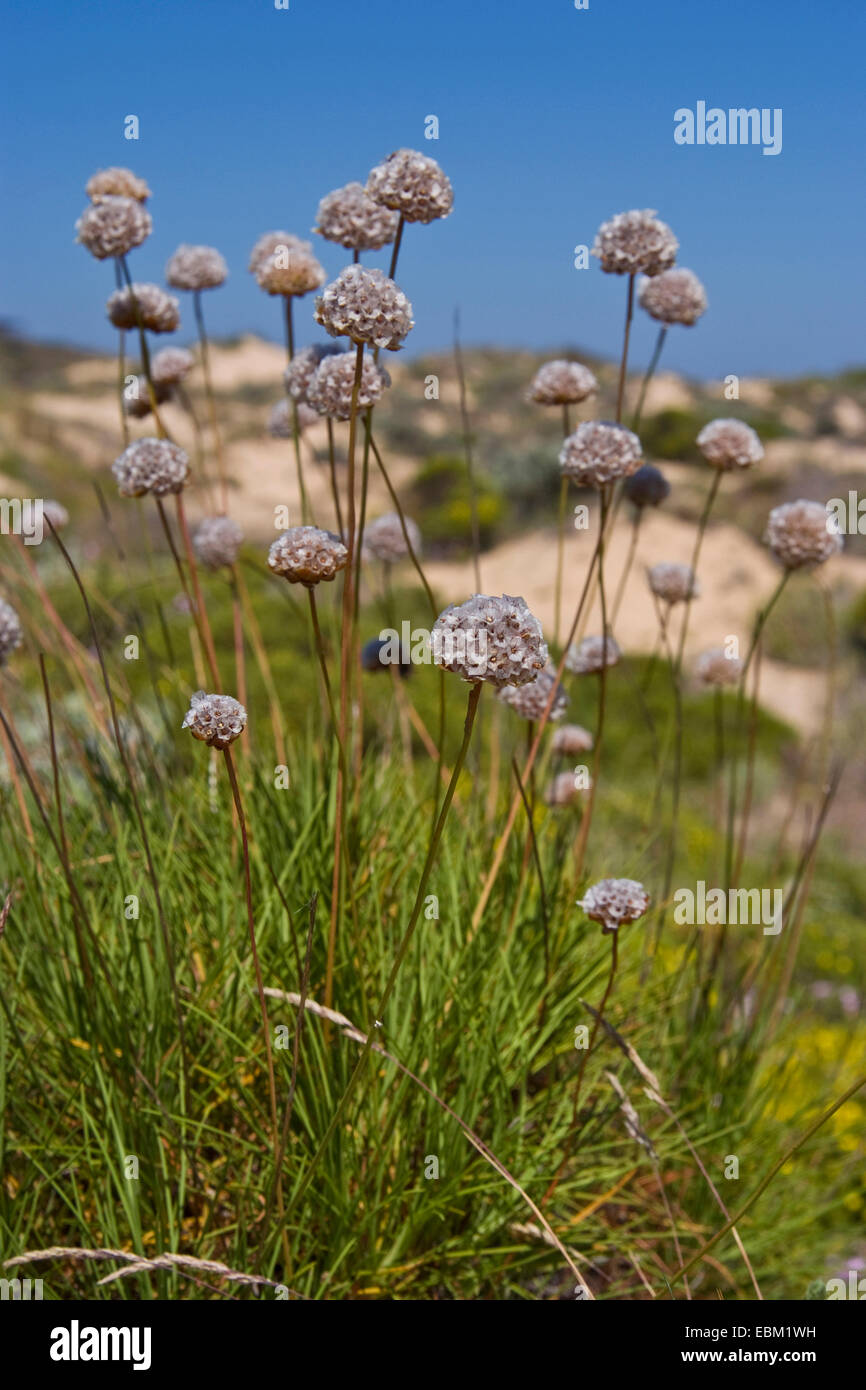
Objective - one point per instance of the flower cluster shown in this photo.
(673, 583)
(11, 635)
(113, 226)
(330, 388)
(367, 307)
(352, 219)
(151, 466)
(530, 701)
(562, 383)
(635, 242)
(798, 535)
(729, 444)
(159, 312)
(600, 452)
(675, 296)
(591, 654)
(307, 555)
(490, 639)
(217, 541)
(613, 901)
(384, 539)
(216, 720)
(413, 185)
(196, 268)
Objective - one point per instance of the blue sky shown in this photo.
(551, 119)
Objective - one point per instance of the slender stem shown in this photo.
(306, 514)
(335, 491)
(346, 643)
(392, 269)
(260, 985)
(650, 372)
(211, 399)
(204, 622)
(623, 366)
(585, 823)
(569, 1142)
(560, 555)
(696, 555)
(467, 453)
(627, 567)
(472, 706)
(145, 351)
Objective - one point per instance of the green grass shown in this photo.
(91, 1062)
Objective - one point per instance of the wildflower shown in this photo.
(613, 901)
(562, 383)
(11, 634)
(280, 423)
(673, 583)
(158, 311)
(798, 535)
(215, 719)
(675, 296)
(352, 219)
(591, 654)
(648, 487)
(56, 513)
(329, 390)
(599, 452)
(114, 182)
(307, 555)
(113, 226)
(385, 541)
(217, 541)
(151, 465)
(571, 739)
(170, 365)
(269, 243)
(490, 639)
(196, 268)
(291, 270)
(715, 667)
(635, 241)
(729, 444)
(412, 184)
(563, 790)
(299, 372)
(530, 701)
(367, 307)
(138, 403)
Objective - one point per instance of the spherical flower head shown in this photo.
(599, 452)
(384, 539)
(217, 541)
(673, 583)
(367, 307)
(530, 701)
(196, 268)
(799, 536)
(215, 719)
(151, 465)
(562, 383)
(412, 184)
(571, 739)
(271, 242)
(613, 901)
(299, 372)
(138, 403)
(307, 555)
(11, 634)
(114, 182)
(648, 487)
(113, 226)
(489, 639)
(56, 513)
(715, 667)
(329, 390)
(675, 296)
(158, 311)
(729, 444)
(563, 790)
(290, 270)
(280, 421)
(170, 366)
(351, 219)
(635, 241)
(591, 654)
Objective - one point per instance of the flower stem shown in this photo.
(623, 366)
(306, 514)
(650, 372)
(211, 399)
